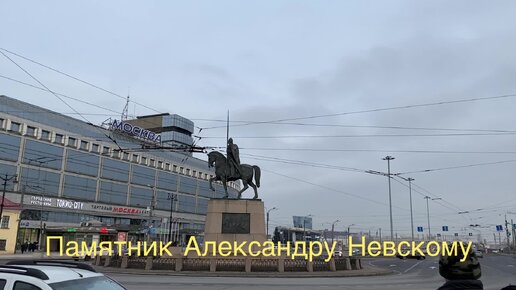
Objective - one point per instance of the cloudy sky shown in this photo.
(356, 80)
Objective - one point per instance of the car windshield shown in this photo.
(93, 283)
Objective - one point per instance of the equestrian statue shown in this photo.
(230, 169)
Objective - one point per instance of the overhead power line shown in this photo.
(57, 96)
(460, 166)
(374, 110)
(379, 150)
(62, 95)
(371, 126)
(77, 79)
(331, 189)
(365, 135)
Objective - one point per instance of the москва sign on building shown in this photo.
(135, 131)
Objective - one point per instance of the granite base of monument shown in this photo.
(235, 220)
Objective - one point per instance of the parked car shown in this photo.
(479, 254)
(54, 275)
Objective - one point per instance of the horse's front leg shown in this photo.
(224, 182)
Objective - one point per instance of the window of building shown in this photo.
(152, 162)
(181, 170)
(116, 154)
(188, 171)
(126, 156)
(174, 168)
(95, 148)
(167, 166)
(105, 150)
(144, 160)
(160, 164)
(31, 131)
(2, 123)
(84, 145)
(59, 139)
(5, 222)
(45, 135)
(15, 127)
(3, 243)
(135, 158)
(72, 142)
(194, 173)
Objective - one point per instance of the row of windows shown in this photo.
(54, 153)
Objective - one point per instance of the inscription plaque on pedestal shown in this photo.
(236, 223)
(235, 220)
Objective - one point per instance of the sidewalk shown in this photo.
(34, 255)
(369, 271)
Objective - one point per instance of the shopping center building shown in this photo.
(112, 181)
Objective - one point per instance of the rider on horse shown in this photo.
(233, 159)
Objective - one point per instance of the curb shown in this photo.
(338, 274)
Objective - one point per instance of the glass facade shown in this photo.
(52, 160)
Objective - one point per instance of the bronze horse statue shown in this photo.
(247, 172)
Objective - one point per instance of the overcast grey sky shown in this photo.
(270, 60)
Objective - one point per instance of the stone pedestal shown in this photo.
(235, 220)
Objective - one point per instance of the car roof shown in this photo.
(59, 274)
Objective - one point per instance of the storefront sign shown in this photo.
(69, 204)
(40, 201)
(135, 131)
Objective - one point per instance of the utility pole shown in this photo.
(428, 214)
(349, 234)
(380, 235)
(411, 213)
(389, 158)
(6, 179)
(333, 230)
(428, 217)
(507, 232)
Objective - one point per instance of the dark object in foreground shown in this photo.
(416, 256)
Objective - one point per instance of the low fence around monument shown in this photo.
(236, 264)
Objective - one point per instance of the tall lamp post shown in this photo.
(333, 230)
(6, 179)
(267, 230)
(389, 158)
(349, 229)
(428, 214)
(411, 212)
(172, 198)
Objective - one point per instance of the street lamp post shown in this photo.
(349, 228)
(428, 215)
(267, 230)
(333, 230)
(171, 197)
(389, 158)
(411, 213)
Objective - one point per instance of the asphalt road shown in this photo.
(497, 272)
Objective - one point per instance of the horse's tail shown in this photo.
(257, 173)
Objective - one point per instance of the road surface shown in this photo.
(497, 272)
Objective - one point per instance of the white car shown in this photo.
(53, 275)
